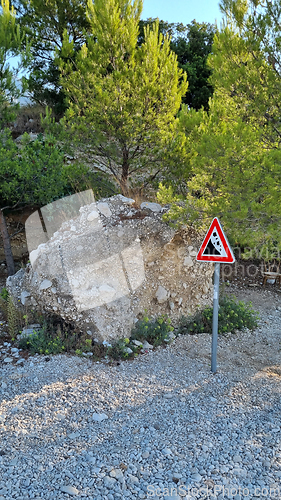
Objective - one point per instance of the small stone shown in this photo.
(153, 207)
(196, 477)
(45, 285)
(104, 209)
(99, 417)
(145, 454)
(177, 476)
(117, 474)
(109, 482)
(8, 360)
(92, 216)
(133, 479)
(74, 435)
(137, 343)
(188, 262)
(23, 296)
(125, 200)
(167, 451)
(162, 294)
(146, 345)
(70, 490)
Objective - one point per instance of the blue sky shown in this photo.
(182, 11)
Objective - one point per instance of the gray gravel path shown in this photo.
(162, 426)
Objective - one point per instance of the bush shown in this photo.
(154, 331)
(54, 337)
(233, 315)
(42, 343)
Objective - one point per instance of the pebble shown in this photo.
(109, 482)
(99, 417)
(70, 490)
(73, 427)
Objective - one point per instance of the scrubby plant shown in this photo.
(40, 342)
(122, 349)
(4, 301)
(4, 294)
(233, 315)
(55, 337)
(154, 331)
(13, 318)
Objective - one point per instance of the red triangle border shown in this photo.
(213, 258)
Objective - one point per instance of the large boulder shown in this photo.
(101, 269)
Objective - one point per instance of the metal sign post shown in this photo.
(215, 248)
(215, 317)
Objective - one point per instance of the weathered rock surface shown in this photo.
(102, 268)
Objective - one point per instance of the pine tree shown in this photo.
(123, 98)
(45, 24)
(234, 156)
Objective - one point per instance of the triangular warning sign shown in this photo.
(215, 247)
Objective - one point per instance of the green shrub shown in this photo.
(4, 294)
(42, 343)
(4, 302)
(154, 331)
(233, 315)
(121, 349)
(54, 337)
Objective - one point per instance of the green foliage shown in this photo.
(11, 40)
(154, 331)
(192, 49)
(10, 312)
(229, 174)
(45, 24)
(42, 343)
(36, 173)
(13, 317)
(4, 301)
(123, 98)
(32, 174)
(233, 315)
(55, 337)
(4, 294)
(122, 349)
(192, 44)
(233, 162)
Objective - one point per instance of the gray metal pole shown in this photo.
(215, 317)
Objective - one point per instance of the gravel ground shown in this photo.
(162, 426)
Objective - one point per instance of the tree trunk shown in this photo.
(125, 173)
(7, 245)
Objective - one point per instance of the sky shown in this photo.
(182, 11)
